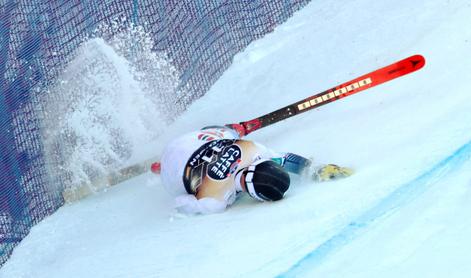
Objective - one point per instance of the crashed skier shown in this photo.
(207, 169)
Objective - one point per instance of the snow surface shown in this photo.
(405, 213)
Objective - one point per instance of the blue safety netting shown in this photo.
(37, 39)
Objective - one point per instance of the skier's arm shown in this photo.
(291, 162)
(295, 163)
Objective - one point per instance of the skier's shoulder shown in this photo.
(207, 134)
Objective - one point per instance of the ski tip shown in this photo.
(418, 61)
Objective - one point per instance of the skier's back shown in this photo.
(205, 170)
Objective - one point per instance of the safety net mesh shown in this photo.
(37, 40)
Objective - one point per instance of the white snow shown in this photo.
(403, 214)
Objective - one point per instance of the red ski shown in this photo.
(351, 87)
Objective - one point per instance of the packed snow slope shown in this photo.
(405, 212)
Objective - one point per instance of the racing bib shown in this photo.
(214, 161)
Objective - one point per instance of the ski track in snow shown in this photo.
(404, 194)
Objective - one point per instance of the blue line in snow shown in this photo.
(388, 205)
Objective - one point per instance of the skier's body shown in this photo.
(206, 170)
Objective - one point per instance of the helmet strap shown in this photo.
(249, 180)
(238, 180)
